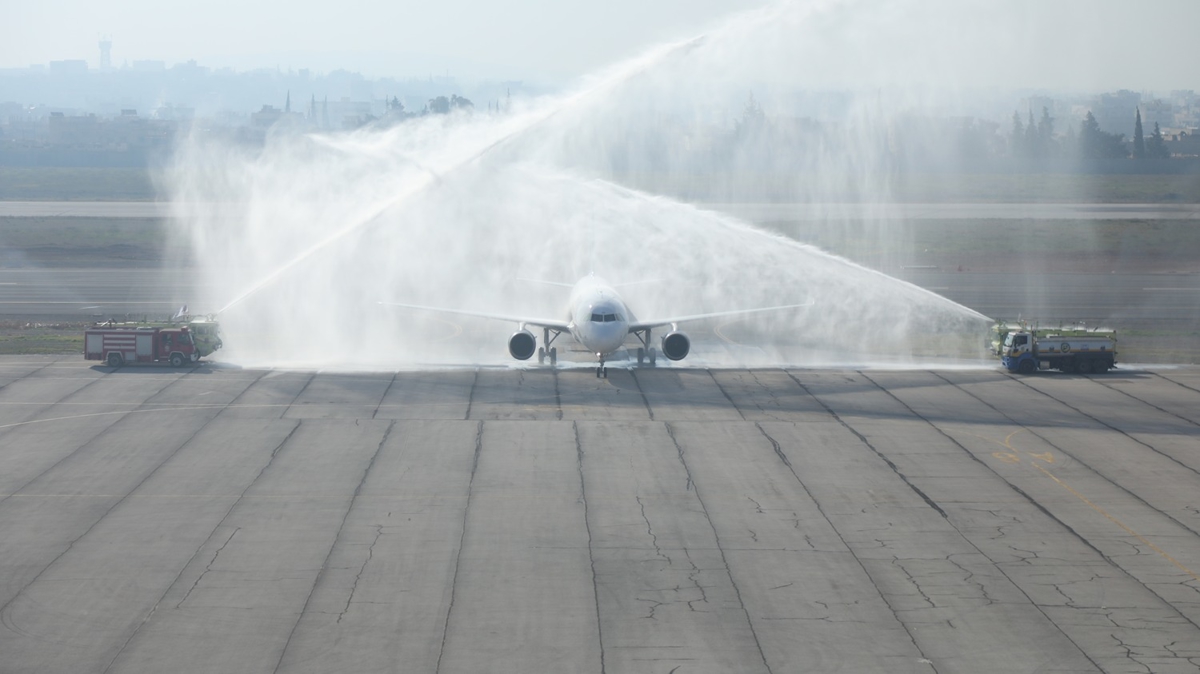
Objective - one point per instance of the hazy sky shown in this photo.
(1144, 44)
(471, 38)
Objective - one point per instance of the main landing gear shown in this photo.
(644, 353)
(548, 351)
(645, 350)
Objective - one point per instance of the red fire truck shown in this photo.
(120, 345)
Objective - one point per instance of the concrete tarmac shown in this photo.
(533, 520)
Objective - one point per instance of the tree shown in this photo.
(1157, 147)
(1017, 144)
(1096, 144)
(1045, 134)
(1139, 142)
(1032, 148)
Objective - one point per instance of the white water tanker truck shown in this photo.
(1027, 352)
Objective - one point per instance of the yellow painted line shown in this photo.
(1119, 523)
(717, 331)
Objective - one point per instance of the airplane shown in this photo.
(600, 321)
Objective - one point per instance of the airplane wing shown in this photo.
(561, 326)
(643, 325)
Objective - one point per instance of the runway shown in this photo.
(755, 212)
(1090, 297)
(536, 520)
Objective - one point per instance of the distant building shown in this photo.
(105, 54)
(1157, 111)
(149, 66)
(69, 67)
(1116, 112)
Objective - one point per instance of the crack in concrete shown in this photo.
(471, 395)
(462, 537)
(897, 562)
(358, 576)
(579, 454)
(384, 396)
(717, 537)
(208, 567)
(878, 590)
(650, 532)
(333, 546)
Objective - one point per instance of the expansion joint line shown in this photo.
(720, 548)
(1144, 402)
(971, 543)
(1045, 511)
(140, 408)
(1075, 458)
(1107, 425)
(591, 556)
(557, 396)
(191, 559)
(386, 391)
(867, 443)
(725, 393)
(645, 400)
(333, 546)
(299, 393)
(9, 428)
(471, 398)
(879, 591)
(1177, 383)
(462, 538)
(70, 546)
(1025, 495)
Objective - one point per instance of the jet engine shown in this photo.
(522, 345)
(676, 345)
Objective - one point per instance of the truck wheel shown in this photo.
(115, 359)
(1027, 367)
(1085, 367)
(177, 360)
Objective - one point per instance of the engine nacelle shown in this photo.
(676, 345)
(522, 345)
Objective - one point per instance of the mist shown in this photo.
(300, 241)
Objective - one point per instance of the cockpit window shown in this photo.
(606, 318)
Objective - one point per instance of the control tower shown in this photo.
(105, 53)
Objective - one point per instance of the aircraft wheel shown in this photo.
(541, 355)
(641, 355)
(605, 371)
(115, 359)
(554, 355)
(653, 355)
(597, 373)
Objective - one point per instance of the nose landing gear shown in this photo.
(601, 371)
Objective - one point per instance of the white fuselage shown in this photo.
(599, 319)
